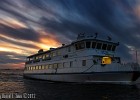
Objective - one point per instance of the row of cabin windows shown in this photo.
(97, 45)
(53, 66)
(52, 54)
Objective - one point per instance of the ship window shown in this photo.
(37, 67)
(58, 53)
(99, 45)
(88, 44)
(69, 49)
(50, 65)
(80, 45)
(106, 60)
(53, 54)
(71, 63)
(36, 58)
(93, 44)
(44, 57)
(55, 66)
(83, 62)
(40, 57)
(60, 65)
(30, 68)
(104, 46)
(109, 47)
(76, 46)
(43, 67)
(65, 64)
(33, 68)
(46, 67)
(113, 48)
(47, 55)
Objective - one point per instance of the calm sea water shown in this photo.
(13, 84)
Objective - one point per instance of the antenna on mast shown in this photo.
(136, 57)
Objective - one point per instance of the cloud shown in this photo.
(61, 21)
(22, 33)
(11, 58)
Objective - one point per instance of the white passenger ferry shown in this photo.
(88, 59)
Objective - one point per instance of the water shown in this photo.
(12, 83)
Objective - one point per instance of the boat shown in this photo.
(88, 59)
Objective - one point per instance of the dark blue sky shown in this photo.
(28, 25)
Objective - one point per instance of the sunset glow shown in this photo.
(27, 26)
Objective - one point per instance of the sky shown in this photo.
(29, 25)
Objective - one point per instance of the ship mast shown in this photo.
(136, 57)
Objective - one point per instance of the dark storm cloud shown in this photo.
(9, 57)
(66, 18)
(18, 43)
(115, 18)
(22, 33)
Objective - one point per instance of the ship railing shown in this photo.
(29, 62)
(131, 66)
(37, 60)
(47, 58)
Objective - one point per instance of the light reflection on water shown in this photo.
(13, 82)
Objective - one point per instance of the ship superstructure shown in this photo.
(88, 59)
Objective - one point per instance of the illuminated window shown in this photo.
(43, 67)
(44, 56)
(36, 58)
(33, 68)
(106, 60)
(83, 62)
(40, 57)
(47, 55)
(46, 66)
(37, 67)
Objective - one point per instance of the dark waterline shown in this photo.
(13, 82)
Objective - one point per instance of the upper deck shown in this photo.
(83, 46)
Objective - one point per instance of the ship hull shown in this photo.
(95, 77)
